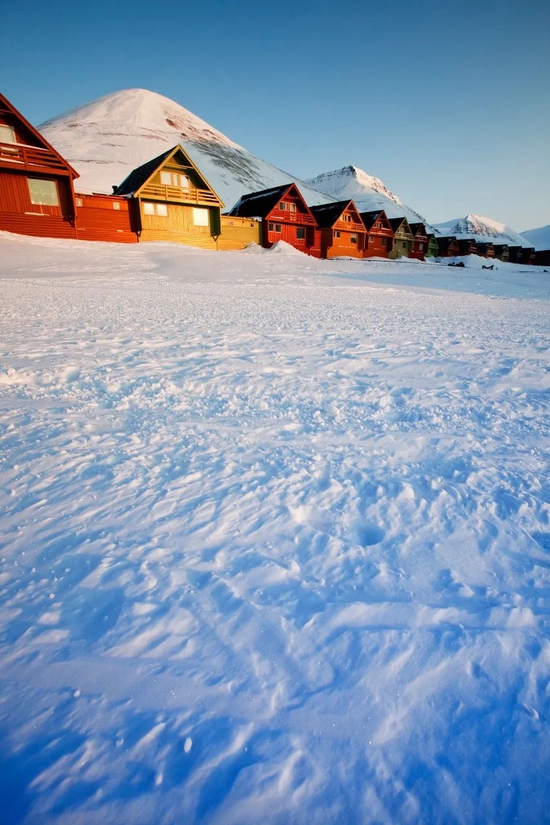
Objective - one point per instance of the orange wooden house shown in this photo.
(379, 234)
(36, 183)
(342, 230)
(285, 217)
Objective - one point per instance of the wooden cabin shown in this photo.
(238, 233)
(447, 246)
(542, 257)
(467, 246)
(485, 250)
(420, 242)
(403, 238)
(36, 183)
(342, 230)
(529, 255)
(433, 246)
(171, 200)
(502, 252)
(522, 255)
(104, 218)
(379, 238)
(285, 216)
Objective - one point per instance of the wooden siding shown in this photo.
(18, 214)
(103, 218)
(177, 227)
(238, 233)
(337, 241)
(290, 220)
(402, 245)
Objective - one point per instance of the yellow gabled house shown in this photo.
(171, 200)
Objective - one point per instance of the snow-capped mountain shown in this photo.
(107, 138)
(484, 230)
(368, 192)
(539, 238)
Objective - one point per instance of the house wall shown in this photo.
(179, 226)
(103, 218)
(238, 233)
(401, 246)
(377, 246)
(18, 214)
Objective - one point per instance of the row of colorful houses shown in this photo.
(169, 199)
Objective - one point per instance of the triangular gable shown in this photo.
(140, 177)
(400, 223)
(370, 218)
(418, 229)
(260, 204)
(327, 214)
(7, 107)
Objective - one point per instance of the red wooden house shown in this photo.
(379, 234)
(420, 243)
(104, 218)
(447, 246)
(285, 216)
(342, 230)
(467, 246)
(36, 183)
(486, 250)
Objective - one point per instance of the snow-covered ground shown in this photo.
(275, 538)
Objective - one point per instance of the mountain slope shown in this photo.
(484, 230)
(539, 238)
(368, 192)
(107, 138)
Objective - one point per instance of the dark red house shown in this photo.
(485, 250)
(342, 230)
(285, 216)
(448, 247)
(36, 183)
(420, 244)
(379, 238)
(542, 257)
(467, 246)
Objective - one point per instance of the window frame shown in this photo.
(54, 186)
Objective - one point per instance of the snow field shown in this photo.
(275, 538)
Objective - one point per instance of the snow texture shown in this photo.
(275, 538)
(539, 238)
(368, 192)
(484, 230)
(107, 138)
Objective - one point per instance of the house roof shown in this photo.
(327, 214)
(139, 177)
(370, 218)
(418, 229)
(260, 204)
(9, 107)
(396, 223)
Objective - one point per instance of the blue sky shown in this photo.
(448, 103)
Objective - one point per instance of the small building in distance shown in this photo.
(502, 252)
(433, 246)
(467, 246)
(447, 247)
(36, 183)
(342, 230)
(171, 200)
(284, 216)
(542, 257)
(378, 242)
(486, 249)
(403, 238)
(420, 242)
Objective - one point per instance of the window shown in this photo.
(278, 227)
(404, 244)
(7, 134)
(78, 201)
(420, 246)
(43, 192)
(174, 179)
(160, 209)
(371, 238)
(336, 233)
(116, 204)
(292, 208)
(383, 241)
(300, 233)
(353, 239)
(272, 227)
(200, 217)
(282, 206)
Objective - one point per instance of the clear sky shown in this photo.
(448, 103)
